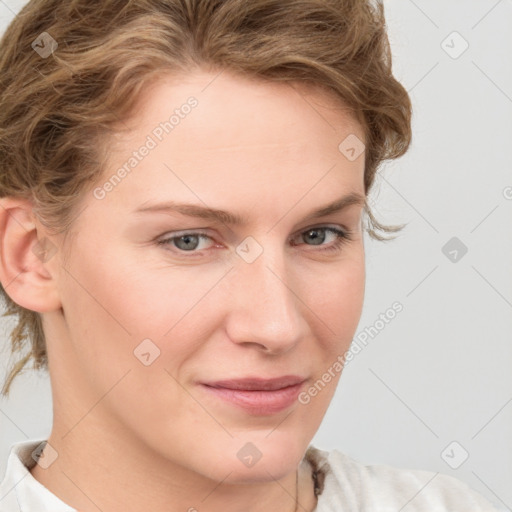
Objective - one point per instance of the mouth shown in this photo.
(258, 396)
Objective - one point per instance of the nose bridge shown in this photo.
(265, 309)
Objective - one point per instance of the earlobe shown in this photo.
(25, 256)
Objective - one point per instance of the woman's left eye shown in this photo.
(318, 236)
(191, 241)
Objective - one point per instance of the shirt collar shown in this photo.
(20, 491)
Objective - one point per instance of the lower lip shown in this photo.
(259, 402)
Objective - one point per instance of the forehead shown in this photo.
(269, 112)
(226, 139)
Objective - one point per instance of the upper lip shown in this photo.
(258, 384)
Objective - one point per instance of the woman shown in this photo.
(183, 197)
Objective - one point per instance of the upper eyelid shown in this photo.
(201, 233)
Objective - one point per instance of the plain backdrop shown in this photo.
(432, 388)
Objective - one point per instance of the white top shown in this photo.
(343, 484)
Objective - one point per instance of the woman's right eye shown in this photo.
(186, 242)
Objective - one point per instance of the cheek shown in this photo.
(337, 297)
(115, 304)
(337, 307)
(111, 305)
(350, 296)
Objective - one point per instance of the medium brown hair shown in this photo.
(56, 111)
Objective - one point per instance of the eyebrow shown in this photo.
(230, 218)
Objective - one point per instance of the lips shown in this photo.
(258, 384)
(256, 395)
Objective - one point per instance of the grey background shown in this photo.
(439, 372)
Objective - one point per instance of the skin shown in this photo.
(131, 437)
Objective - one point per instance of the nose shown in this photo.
(265, 307)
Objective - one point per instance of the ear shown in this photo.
(26, 257)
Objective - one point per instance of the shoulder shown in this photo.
(346, 484)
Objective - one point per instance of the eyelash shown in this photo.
(342, 237)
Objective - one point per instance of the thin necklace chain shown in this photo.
(297, 492)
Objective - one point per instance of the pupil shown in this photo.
(317, 240)
(186, 239)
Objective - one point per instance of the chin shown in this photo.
(257, 457)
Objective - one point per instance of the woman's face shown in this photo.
(151, 319)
